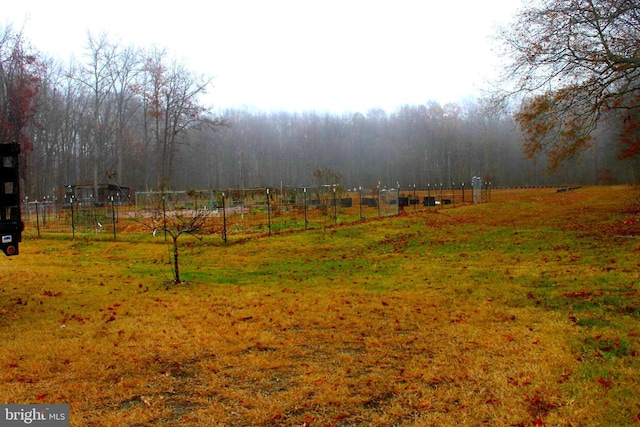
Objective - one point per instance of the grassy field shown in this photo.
(520, 312)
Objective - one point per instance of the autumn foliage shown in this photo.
(631, 136)
(575, 67)
(19, 85)
(549, 125)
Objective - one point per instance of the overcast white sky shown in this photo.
(322, 55)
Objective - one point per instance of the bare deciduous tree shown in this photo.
(175, 223)
(574, 63)
(171, 95)
(97, 77)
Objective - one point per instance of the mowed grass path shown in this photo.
(520, 312)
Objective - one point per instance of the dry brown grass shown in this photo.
(519, 312)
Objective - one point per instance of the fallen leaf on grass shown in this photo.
(52, 294)
(605, 383)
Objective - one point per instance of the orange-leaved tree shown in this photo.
(573, 64)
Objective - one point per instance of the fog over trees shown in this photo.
(136, 117)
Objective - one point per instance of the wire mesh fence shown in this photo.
(238, 212)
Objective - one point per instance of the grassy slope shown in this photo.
(519, 312)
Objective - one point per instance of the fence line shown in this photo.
(241, 212)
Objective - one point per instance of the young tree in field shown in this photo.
(574, 63)
(175, 223)
(327, 186)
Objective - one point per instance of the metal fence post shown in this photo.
(397, 198)
(453, 193)
(335, 206)
(37, 217)
(306, 220)
(73, 225)
(360, 189)
(379, 200)
(113, 217)
(268, 213)
(224, 219)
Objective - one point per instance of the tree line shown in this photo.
(136, 117)
(414, 145)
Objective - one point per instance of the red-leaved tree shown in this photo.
(19, 84)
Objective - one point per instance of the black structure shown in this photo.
(11, 224)
(86, 195)
(429, 201)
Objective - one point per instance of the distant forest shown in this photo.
(416, 144)
(136, 118)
